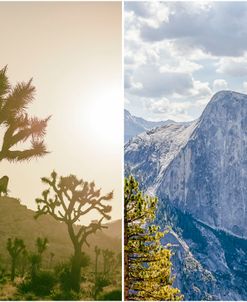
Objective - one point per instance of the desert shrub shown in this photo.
(101, 282)
(59, 295)
(63, 273)
(42, 285)
(3, 277)
(24, 287)
(115, 295)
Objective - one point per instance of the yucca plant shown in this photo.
(18, 127)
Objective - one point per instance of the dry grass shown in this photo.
(7, 291)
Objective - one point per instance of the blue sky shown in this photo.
(178, 54)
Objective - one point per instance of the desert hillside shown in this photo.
(16, 220)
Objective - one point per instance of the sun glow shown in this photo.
(103, 117)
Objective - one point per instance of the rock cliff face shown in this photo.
(208, 177)
(200, 171)
(202, 167)
(148, 154)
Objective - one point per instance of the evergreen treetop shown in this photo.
(147, 262)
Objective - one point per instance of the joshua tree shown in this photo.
(23, 262)
(108, 257)
(72, 199)
(35, 260)
(41, 245)
(18, 126)
(14, 248)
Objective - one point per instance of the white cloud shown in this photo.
(151, 13)
(155, 83)
(245, 87)
(126, 101)
(173, 50)
(236, 67)
(220, 84)
(166, 109)
(182, 65)
(218, 28)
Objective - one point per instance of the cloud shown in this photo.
(126, 101)
(217, 28)
(245, 87)
(150, 81)
(236, 67)
(166, 109)
(220, 84)
(177, 54)
(140, 9)
(151, 13)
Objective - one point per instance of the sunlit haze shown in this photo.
(73, 53)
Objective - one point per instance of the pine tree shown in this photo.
(147, 263)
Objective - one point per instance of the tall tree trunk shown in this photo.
(126, 262)
(76, 270)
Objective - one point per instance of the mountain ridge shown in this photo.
(134, 125)
(201, 176)
(147, 154)
(16, 220)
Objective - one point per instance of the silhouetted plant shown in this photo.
(100, 282)
(4, 185)
(85, 260)
(23, 262)
(42, 285)
(18, 126)
(97, 253)
(72, 199)
(115, 295)
(14, 247)
(108, 261)
(63, 271)
(35, 260)
(41, 245)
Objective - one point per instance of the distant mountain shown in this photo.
(135, 125)
(199, 173)
(16, 220)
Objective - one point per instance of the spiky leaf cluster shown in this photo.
(41, 244)
(147, 262)
(18, 126)
(15, 247)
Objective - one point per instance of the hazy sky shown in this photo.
(178, 54)
(73, 53)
